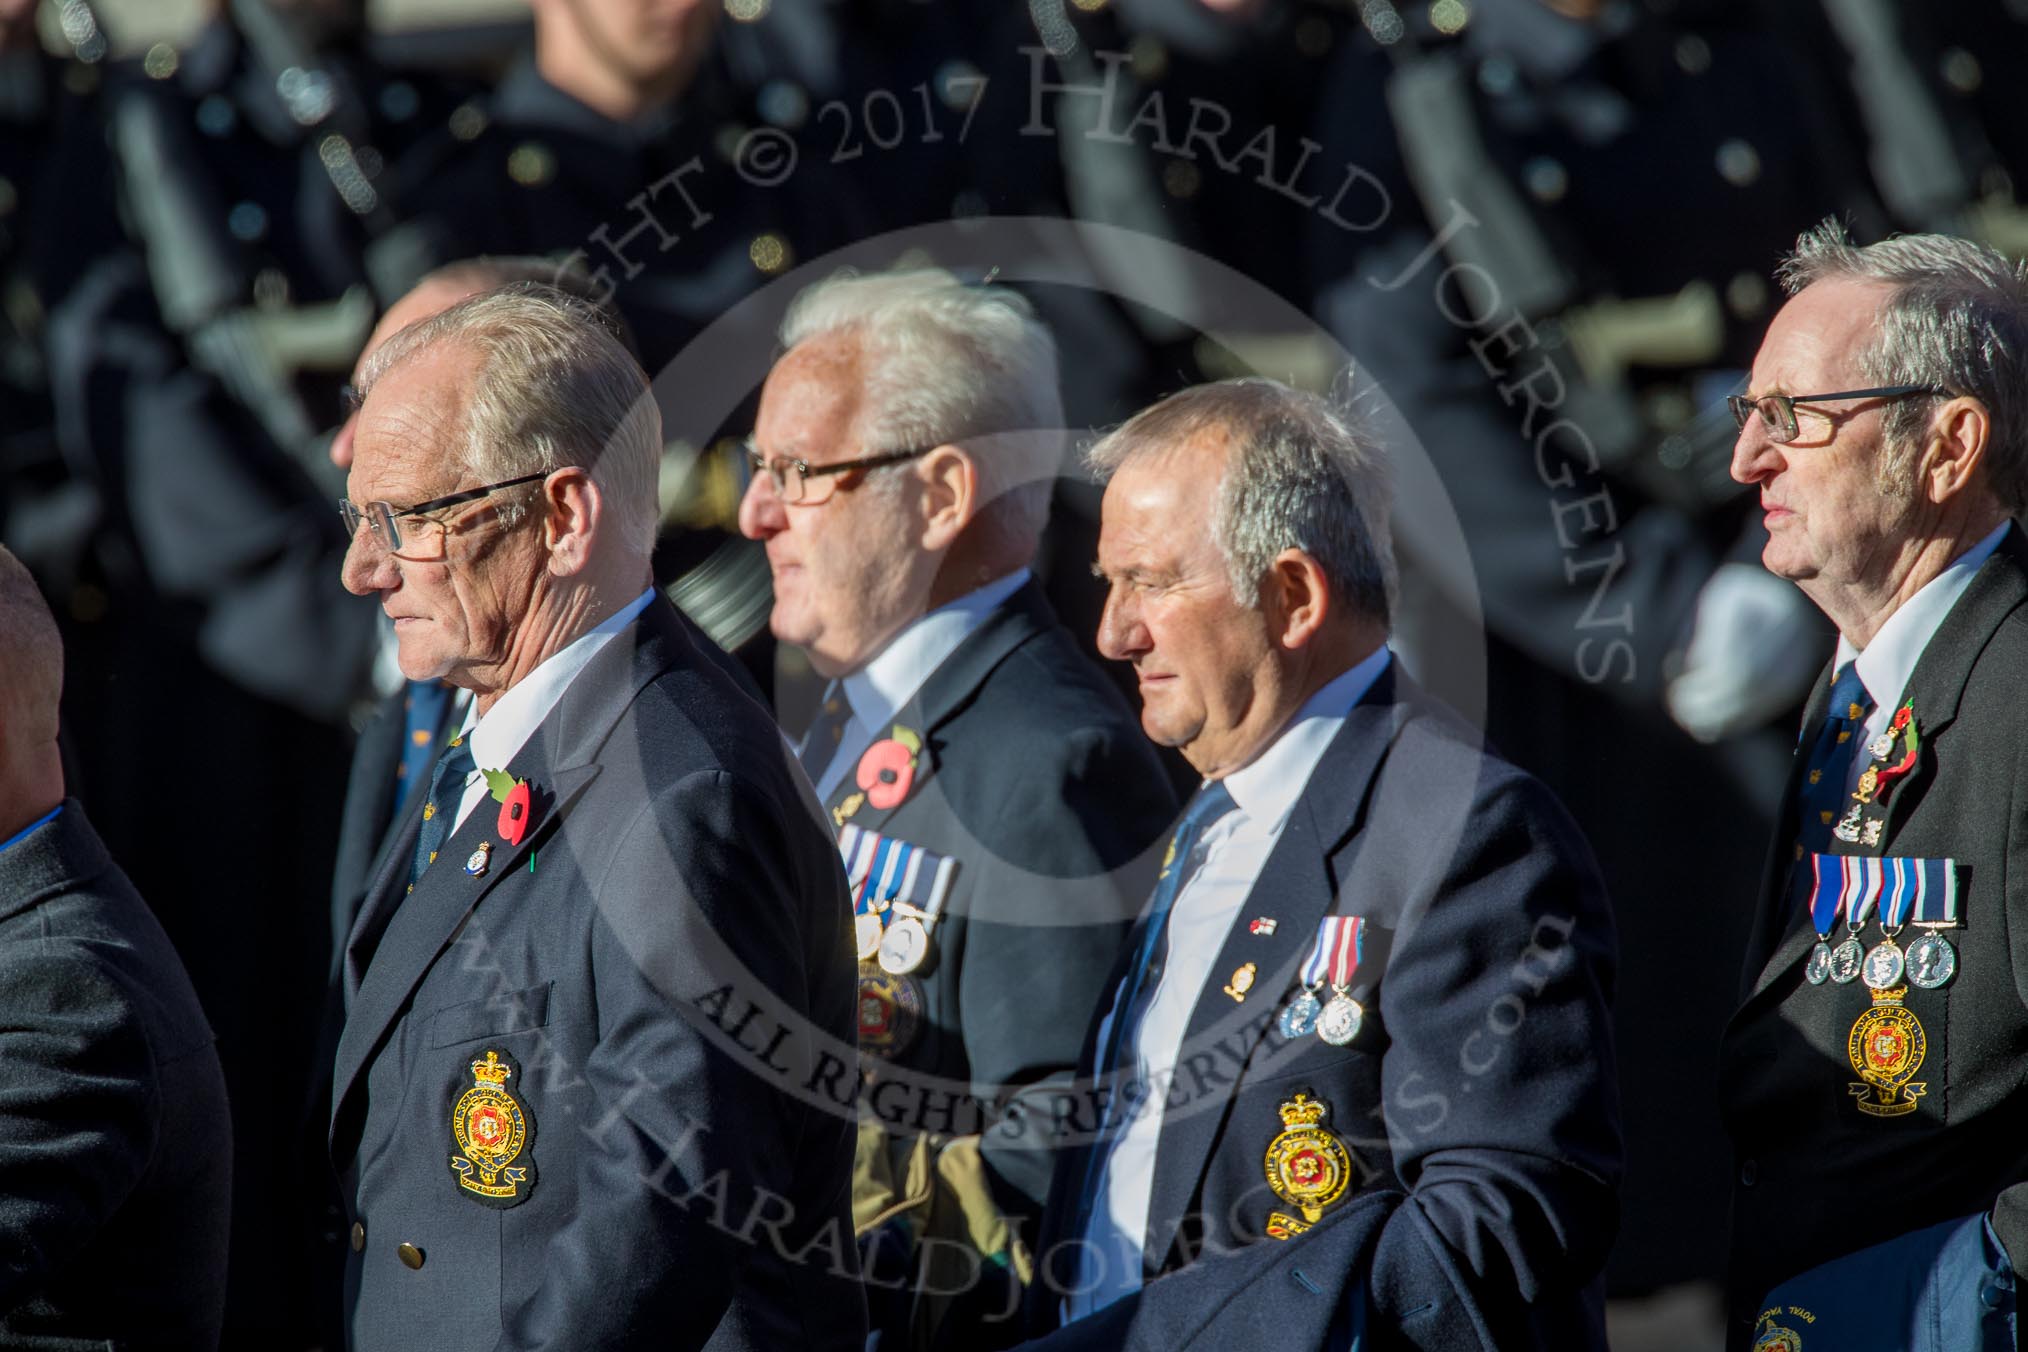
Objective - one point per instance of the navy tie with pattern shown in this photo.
(1822, 797)
(440, 809)
(422, 719)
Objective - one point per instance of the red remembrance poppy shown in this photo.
(517, 813)
(885, 773)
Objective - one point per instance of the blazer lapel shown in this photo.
(427, 919)
(1937, 685)
(1935, 688)
(424, 921)
(1296, 888)
(946, 690)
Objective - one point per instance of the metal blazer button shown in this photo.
(358, 1237)
(410, 1256)
(1749, 1173)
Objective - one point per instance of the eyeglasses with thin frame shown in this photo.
(1778, 411)
(383, 519)
(791, 477)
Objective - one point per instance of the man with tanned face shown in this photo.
(1871, 1077)
(611, 855)
(1361, 1033)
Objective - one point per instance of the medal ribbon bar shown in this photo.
(1827, 897)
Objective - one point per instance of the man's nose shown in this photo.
(368, 566)
(1120, 635)
(1753, 453)
(761, 513)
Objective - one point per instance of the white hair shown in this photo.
(555, 388)
(1300, 475)
(948, 363)
(1958, 320)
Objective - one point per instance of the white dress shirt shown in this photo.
(1889, 660)
(1230, 855)
(506, 727)
(879, 689)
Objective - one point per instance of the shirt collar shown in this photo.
(499, 736)
(1890, 658)
(879, 689)
(1267, 787)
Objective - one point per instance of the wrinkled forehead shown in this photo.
(410, 438)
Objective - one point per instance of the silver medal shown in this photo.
(1880, 746)
(1818, 969)
(1339, 1023)
(866, 932)
(1884, 965)
(1299, 1017)
(1931, 961)
(1846, 959)
(904, 947)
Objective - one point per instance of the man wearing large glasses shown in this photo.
(525, 1090)
(1871, 1078)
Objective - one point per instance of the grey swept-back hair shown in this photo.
(1301, 474)
(948, 363)
(555, 388)
(1958, 318)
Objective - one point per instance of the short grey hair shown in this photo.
(948, 363)
(555, 388)
(1958, 319)
(1300, 474)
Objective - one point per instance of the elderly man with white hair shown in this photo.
(992, 795)
(563, 1107)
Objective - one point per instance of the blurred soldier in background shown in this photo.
(620, 144)
(56, 218)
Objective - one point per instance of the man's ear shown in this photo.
(1296, 598)
(1958, 437)
(950, 482)
(573, 515)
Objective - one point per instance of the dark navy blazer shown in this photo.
(664, 960)
(1478, 1098)
(115, 1142)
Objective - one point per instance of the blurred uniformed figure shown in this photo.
(630, 143)
(216, 659)
(56, 218)
(1554, 268)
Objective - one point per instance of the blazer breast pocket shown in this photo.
(491, 1016)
